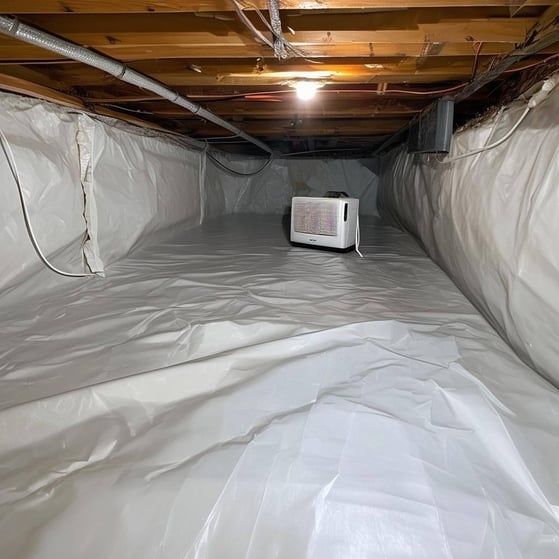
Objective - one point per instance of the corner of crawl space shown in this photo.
(208, 390)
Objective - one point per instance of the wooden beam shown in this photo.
(164, 35)
(172, 6)
(24, 53)
(308, 127)
(20, 86)
(393, 26)
(367, 107)
(448, 74)
(394, 46)
(176, 74)
(210, 96)
(33, 74)
(185, 35)
(395, 54)
(544, 33)
(14, 84)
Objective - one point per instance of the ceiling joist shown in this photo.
(136, 37)
(378, 63)
(179, 6)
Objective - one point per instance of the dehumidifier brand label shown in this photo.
(316, 218)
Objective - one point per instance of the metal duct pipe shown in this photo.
(280, 51)
(13, 27)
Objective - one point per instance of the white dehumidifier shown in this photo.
(325, 222)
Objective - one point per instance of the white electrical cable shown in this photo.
(262, 38)
(357, 237)
(258, 34)
(494, 144)
(6, 148)
(546, 88)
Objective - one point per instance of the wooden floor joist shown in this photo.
(291, 127)
(406, 71)
(544, 33)
(155, 6)
(13, 84)
(378, 62)
(144, 36)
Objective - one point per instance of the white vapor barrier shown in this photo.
(93, 190)
(42, 138)
(139, 185)
(271, 191)
(491, 221)
(222, 394)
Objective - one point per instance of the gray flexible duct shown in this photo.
(280, 52)
(13, 27)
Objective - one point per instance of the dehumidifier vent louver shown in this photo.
(324, 222)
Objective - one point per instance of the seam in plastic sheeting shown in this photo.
(490, 221)
(77, 147)
(43, 139)
(142, 186)
(202, 163)
(85, 139)
(110, 207)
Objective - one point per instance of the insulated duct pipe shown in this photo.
(13, 27)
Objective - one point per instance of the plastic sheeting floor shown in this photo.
(224, 395)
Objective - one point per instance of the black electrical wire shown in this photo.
(240, 173)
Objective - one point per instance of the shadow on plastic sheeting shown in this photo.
(286, 224)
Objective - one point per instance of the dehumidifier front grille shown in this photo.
(316, 218)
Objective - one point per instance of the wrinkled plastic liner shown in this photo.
(491, 222)
(226, 395)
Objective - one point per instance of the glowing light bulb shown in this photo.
(306, 90)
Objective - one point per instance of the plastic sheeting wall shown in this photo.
(138, 185)
(491, 221)
(89, 186)
(95, 191)
(43, 141)
(223, 394)
(271, 191)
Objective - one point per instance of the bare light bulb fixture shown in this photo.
(306, 90)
